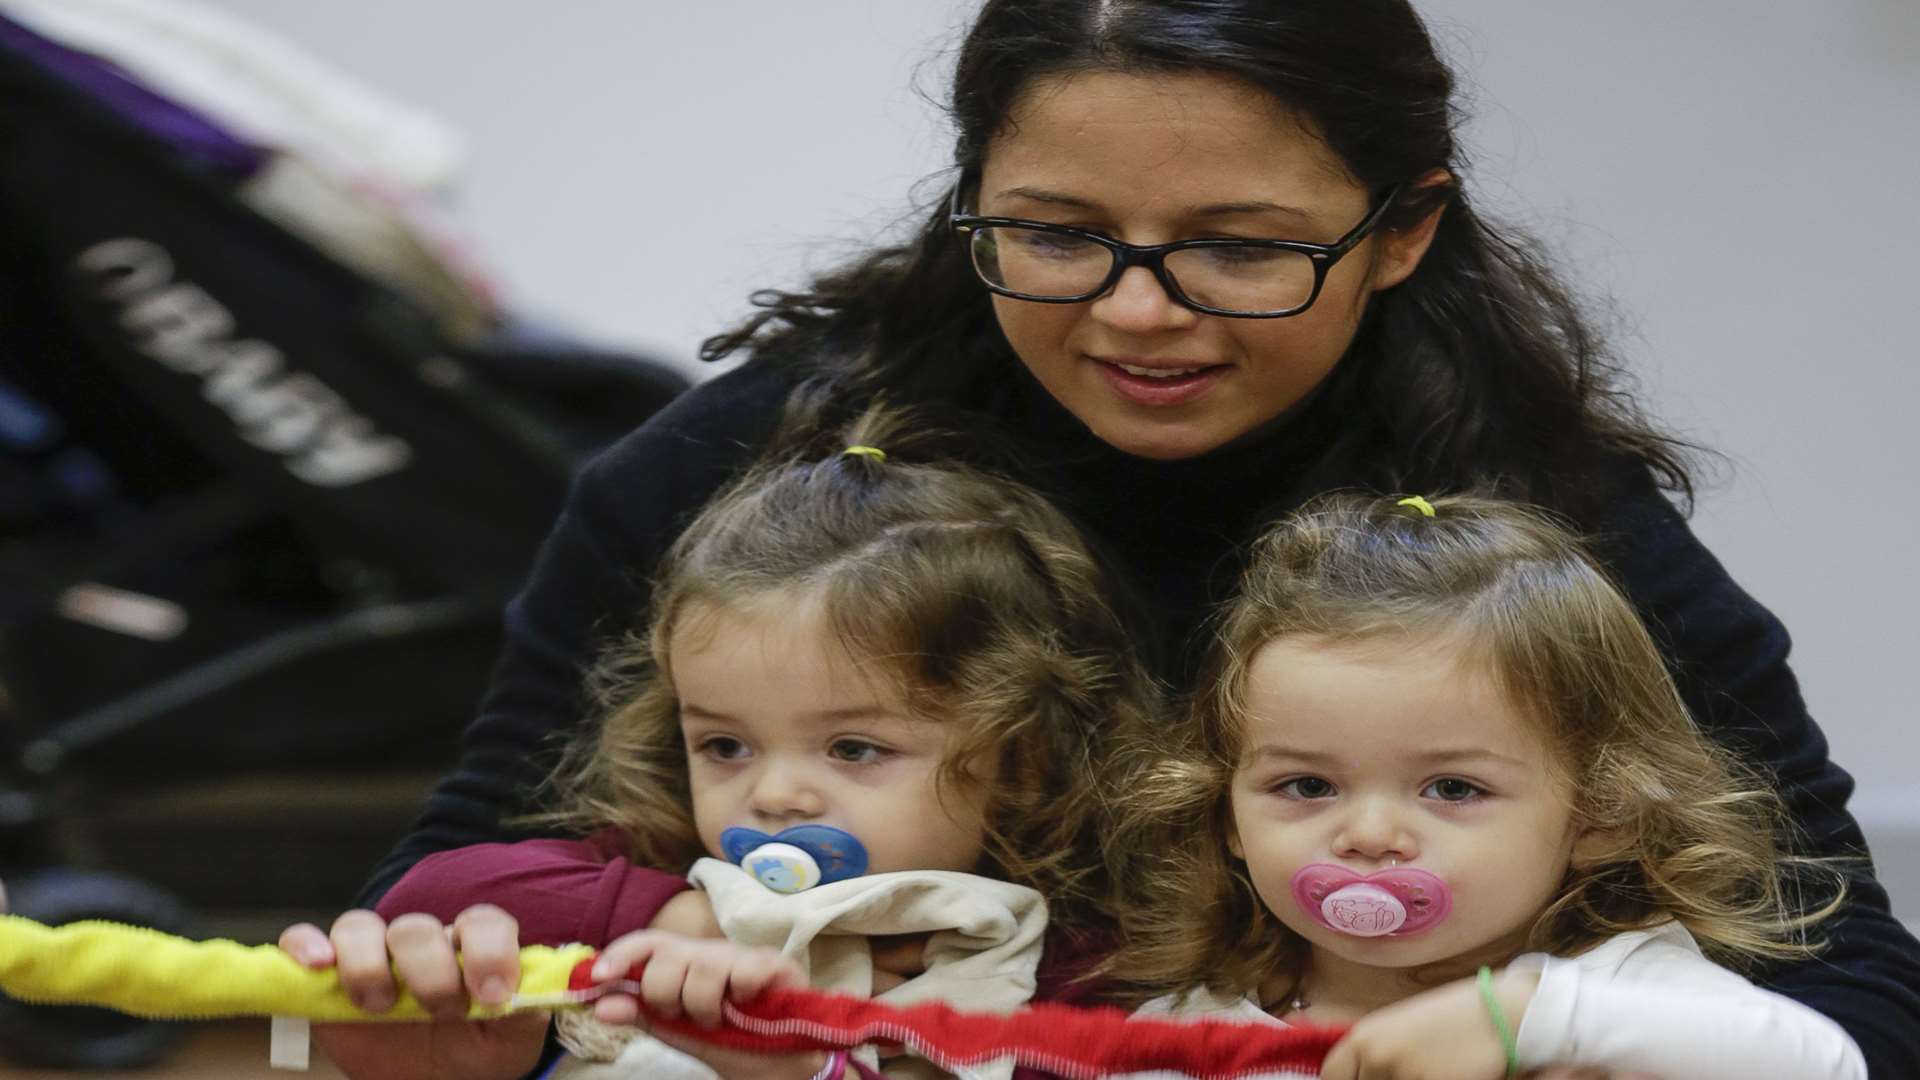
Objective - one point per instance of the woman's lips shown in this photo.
(1170, 384)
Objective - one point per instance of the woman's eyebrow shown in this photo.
(1252, 206)
(1209, 210)
(1042, 195)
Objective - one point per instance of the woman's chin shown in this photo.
(1159, 442)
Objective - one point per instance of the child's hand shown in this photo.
(1441, 1034)
(367, 951)
(688, 976)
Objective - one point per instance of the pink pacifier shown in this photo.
(1397, 901)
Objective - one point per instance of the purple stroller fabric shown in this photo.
(193, 135)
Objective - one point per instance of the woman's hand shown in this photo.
(426, 957)
(1441, 1034)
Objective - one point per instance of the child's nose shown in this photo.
(1376, 831)
(783, 792)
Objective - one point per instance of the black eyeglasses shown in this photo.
(1240, 279)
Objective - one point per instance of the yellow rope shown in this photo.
(144, 972)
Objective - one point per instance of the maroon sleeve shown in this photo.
(1063, 977)
(562, 891)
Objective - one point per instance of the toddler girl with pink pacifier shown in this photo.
(1440, 786)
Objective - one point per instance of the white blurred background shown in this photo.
(1737, 178)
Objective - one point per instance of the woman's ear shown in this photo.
(1400, 250)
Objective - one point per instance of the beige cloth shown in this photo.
(982, 955)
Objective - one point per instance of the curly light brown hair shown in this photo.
(1688, 833)
(972, 591)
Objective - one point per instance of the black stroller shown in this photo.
(258, 513)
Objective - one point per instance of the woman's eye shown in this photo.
(721, 748)
(857, 751)
(1452, 789)
(1305, 787)
(1034, 244)
(1247, 256)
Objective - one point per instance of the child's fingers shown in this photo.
(627, 951)
(308, 944)
(617, 1009)
(359, 941)
(760, 969)
(489, 942)
(705, 987)
(661, 981)
(424, 959)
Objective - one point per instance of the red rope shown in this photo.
(1065, 1040)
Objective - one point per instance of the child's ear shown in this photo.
(1594, 846)
(1234, 847)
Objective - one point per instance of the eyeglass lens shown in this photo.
(1056, 265)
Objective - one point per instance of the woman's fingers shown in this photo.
(424, 959)
(308, 944)
(359, 942)
(489, 942)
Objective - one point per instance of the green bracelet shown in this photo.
(1499, 1017)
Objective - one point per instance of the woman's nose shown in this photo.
(1374, 831)
(784, 791)
(1139, 304)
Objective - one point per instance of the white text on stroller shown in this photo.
(290, 413)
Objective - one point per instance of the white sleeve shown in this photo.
(1650, 1001)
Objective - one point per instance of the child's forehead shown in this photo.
(1400, 697)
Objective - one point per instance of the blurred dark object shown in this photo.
(258, 515)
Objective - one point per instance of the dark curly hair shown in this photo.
(1480, 369)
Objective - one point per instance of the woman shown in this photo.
(1175, 399)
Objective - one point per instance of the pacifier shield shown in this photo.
(796, 858)
(782, 867)
(1397, 901)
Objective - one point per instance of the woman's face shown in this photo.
(1150, 159)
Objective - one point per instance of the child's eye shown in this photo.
(721, 748)
(1452, 789)
(1304, 787)
(857, 751)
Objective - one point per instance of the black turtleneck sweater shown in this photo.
(1175, 533)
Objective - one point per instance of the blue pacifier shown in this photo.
(796, 859)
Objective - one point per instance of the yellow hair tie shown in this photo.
(1418, 503)
(873, 452)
